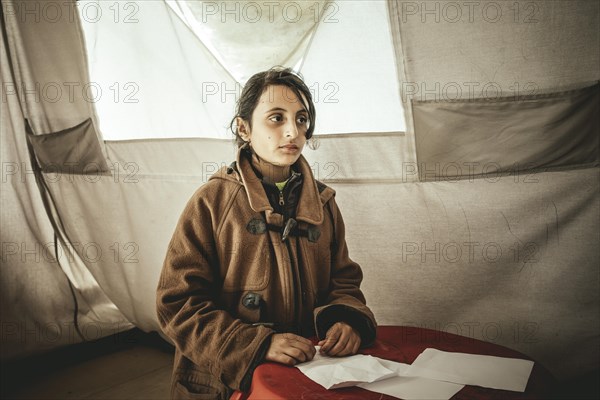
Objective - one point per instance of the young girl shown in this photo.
(258, 262)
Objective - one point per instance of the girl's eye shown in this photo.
(302, 119)
(276, 118)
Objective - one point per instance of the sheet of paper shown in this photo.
(411, 388)
(337, 372)
(375, 374)
(471, 369)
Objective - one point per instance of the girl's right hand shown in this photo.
(290, 349)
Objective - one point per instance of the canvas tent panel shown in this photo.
(489, 49)
(512, 260)
(353, 157)
(49, 77)
(354, 96)
(246, 37)
(468, 138)
(122, 236)
(480, 247)
(167, 83)
(38, 303)
(196, 158)
(72, 150)
(362, 157)
(187, 93)
(393, 220)
(63, 154)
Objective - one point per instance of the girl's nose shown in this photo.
(291, 130)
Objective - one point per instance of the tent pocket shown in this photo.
(73, 150)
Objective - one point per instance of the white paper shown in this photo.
(411, 388)
(471, 369)
(374, 374)
(337, 372)
(435, 374)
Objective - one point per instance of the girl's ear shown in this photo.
(243, 128)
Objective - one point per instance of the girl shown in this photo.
(258, 261)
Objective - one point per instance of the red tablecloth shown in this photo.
(402, 344)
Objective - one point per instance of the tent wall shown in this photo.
(535, 132)
(502, 99)
(510, 258)
(43, 72)
(489, 49)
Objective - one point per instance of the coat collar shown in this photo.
(310, 205)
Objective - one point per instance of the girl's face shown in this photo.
(279, 125)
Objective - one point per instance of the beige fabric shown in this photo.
(350, 69)
(467, 138)
(134, 211)
(510, 260)
(545, 225)
(43, 73)
(541, 295)
(47, 56)
(251, 36)
(72, 150)
(122, 222)
(483, 49)
(29, 271)
(364, 156)
(166, 84)
(169, 85)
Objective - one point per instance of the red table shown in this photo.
(401, 344)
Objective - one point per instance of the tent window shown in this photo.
(174, 68)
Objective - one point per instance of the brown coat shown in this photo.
(222, 251)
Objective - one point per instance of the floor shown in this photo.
(131, 365)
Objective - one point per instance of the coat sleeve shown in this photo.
(345, 301)
(187, 305)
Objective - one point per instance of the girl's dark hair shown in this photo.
(255, 87)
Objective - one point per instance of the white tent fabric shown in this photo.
(249, 47)
(137, 99)
(37, 298)
(492, 49)
(198, 98)
(354, 41)
(510, 258)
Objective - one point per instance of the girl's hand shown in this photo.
(341, 340)
(290, 349)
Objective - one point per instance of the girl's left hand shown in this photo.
(341, 340)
